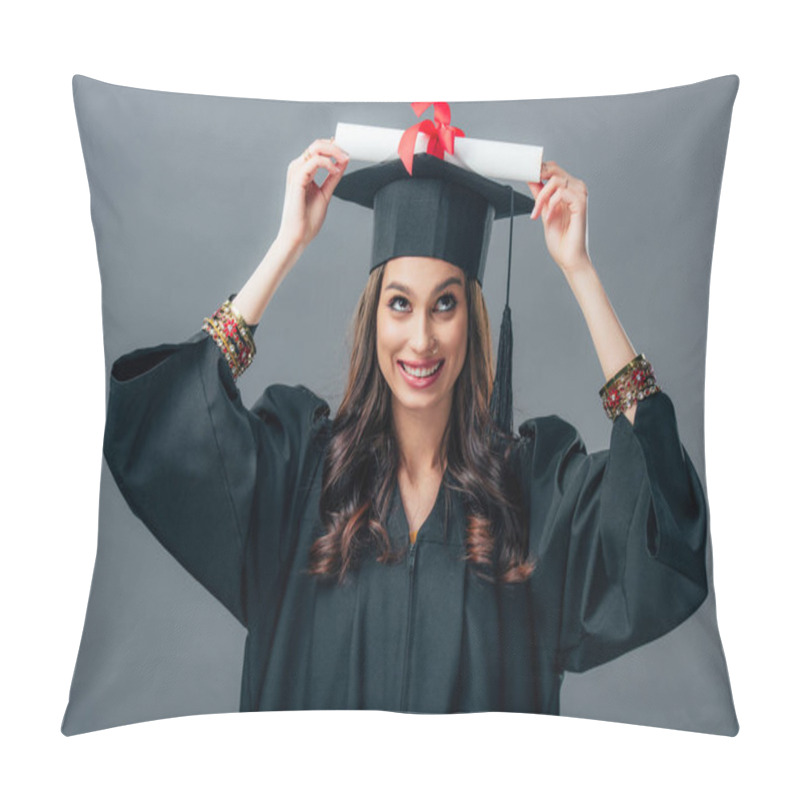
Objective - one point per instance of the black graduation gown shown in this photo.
(619, 537)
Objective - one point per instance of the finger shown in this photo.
(304, 156)
(574, 184)
(327, 147)
(535, 188)
(558, 197)
(551, 169)
(314, 163)
(331, 182)
(544, 196)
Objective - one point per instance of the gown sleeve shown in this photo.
(188, 456)
(619, 535)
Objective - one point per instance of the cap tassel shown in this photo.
(502, 402)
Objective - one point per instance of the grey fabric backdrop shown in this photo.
(186, 197)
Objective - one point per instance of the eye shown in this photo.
(398, 303)
(447, 302)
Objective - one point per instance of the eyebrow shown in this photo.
(403, 288)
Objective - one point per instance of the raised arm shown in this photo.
(304, 208)
(191, 461)
(561, 203)
(624, 543)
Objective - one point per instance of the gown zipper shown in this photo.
(412, 556)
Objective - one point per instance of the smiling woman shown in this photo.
(410, 554)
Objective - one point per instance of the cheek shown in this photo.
(459, 342)
(386, 339)
(390, 330)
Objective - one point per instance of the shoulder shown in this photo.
(547, 449)
(295, 407)
(549, 435)
(544, 458)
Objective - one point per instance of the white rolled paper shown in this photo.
(499, 160)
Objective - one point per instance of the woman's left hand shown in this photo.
(561, 202)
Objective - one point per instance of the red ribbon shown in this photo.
(441, 136)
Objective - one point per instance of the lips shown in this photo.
(421, 369)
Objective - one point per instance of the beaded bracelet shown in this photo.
(633, 382)
(233, 337)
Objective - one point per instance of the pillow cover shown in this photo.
(186, 197)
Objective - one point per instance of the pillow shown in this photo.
(186, 197)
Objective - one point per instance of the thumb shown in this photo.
(331, 182)
(535, 188)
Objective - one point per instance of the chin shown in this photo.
(415, 399)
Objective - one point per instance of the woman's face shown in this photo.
(422, 330)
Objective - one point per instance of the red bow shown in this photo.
(441, 136)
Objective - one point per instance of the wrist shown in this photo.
(285, 251)
(579, 269)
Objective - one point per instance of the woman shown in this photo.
(407, 555)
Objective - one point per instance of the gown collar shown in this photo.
(443, 516)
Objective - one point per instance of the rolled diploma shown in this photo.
(498, 160)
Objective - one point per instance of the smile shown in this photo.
(419, 372)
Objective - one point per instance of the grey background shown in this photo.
(186, 197)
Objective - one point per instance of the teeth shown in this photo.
(420, 373)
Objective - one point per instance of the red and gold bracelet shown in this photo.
(233, 337)
(633, 382)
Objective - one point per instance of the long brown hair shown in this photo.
(360, 467)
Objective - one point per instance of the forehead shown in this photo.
(421, 274)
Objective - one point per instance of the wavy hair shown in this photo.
(361, 462)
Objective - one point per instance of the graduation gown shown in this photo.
(618, 536)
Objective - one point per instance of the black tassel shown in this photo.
(502, 403)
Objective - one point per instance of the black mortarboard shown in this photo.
(441, 211)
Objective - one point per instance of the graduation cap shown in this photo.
(440, 210)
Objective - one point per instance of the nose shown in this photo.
(422, 334)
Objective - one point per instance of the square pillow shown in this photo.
(618, 621)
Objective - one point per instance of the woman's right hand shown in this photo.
(306, 203)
